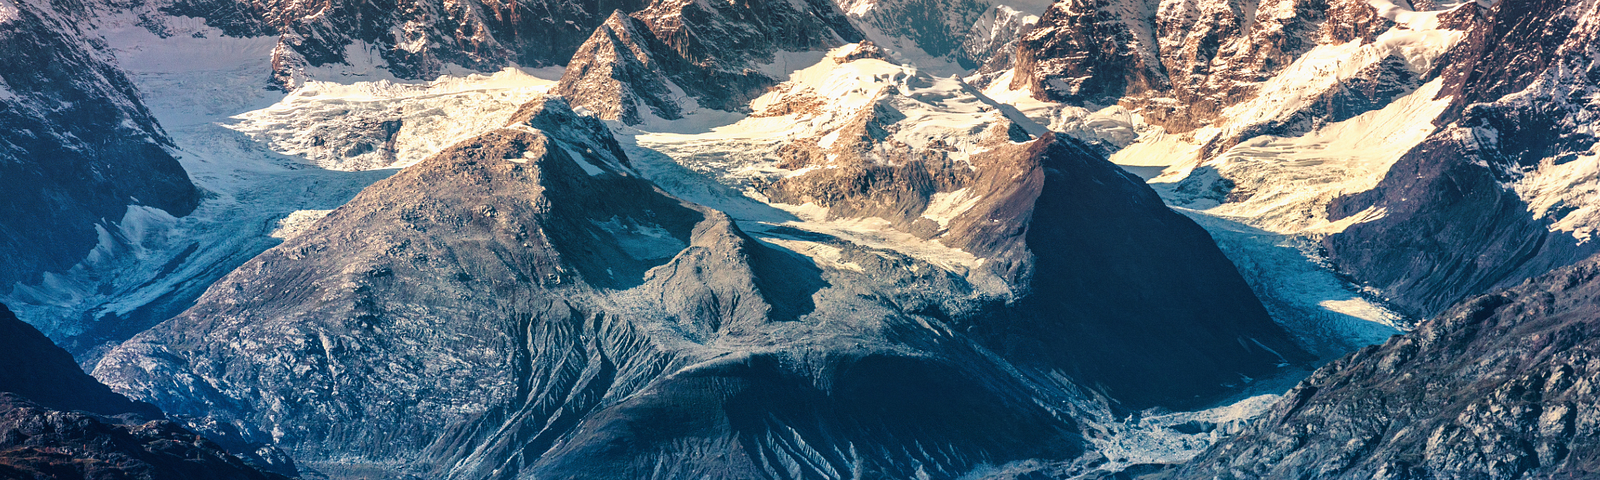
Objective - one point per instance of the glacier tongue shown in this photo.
(368, 125)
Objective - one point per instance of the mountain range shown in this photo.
(808, 239)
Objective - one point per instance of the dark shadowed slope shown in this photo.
(55, 423)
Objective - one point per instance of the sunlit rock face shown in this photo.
(677, 56)
(1505, 190)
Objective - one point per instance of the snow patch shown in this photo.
(1327, 66)
(642, 241)
(1566, 192)
(298, 222)
(785, 63)
(1403, 14)
(587, 167)
(826, 256)
(939, 114)
(9, 12)
(873, 232)
(946, 206)
(1284, 185)
(1155, 438)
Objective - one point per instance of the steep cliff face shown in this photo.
(525, 304)
(990, 47)
(78, 146)
(1182, 65)
(1500, 386)
(1505, 190)
(1085, 51)
(677, 56)
(414, 39)
(930, 28)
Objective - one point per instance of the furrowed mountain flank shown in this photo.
(607, 329)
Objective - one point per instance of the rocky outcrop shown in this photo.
(676, 56)
(939, 28)
(1498, 194)
(38, 442)
(416, 39)
(77, 147)
(1087, 52)
(1182, 65)
(990, 47)
(1500, 386)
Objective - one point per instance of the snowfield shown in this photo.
(404, 122)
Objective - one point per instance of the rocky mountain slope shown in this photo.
(38, 442)
(411, 39)
(1500, 386)
(80, 150)
(1506, 188)
(830, 239)
(677, 56)
(894, 151)
(545, 311)
(79, 428)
